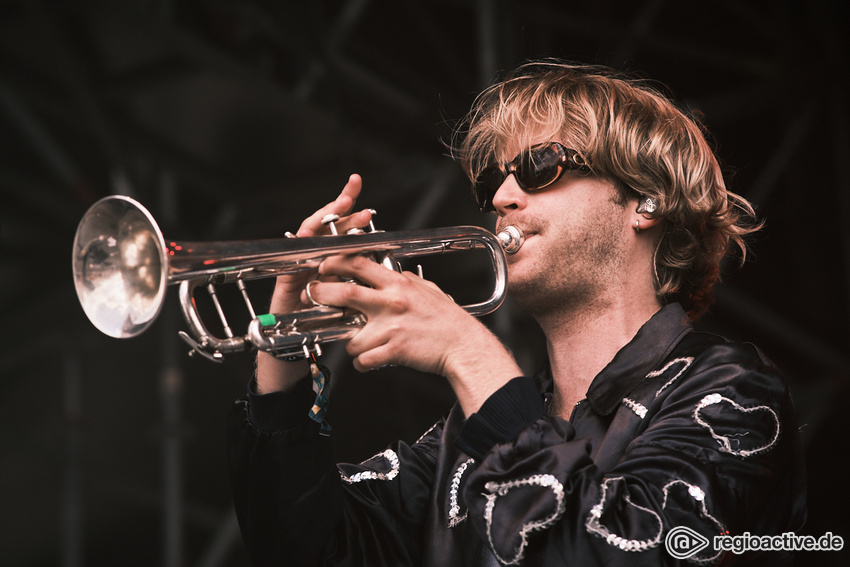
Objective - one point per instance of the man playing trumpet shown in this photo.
(636, 424)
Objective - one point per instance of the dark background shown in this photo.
(234, 120)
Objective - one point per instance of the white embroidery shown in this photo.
(391, 458)
(594, 525)
(500, 489)
(636, 407)
(725, 441)
(686, 363)
(424, 435)
(697, 494)
(454, 508)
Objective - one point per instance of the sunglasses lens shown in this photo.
(540, 167)
(486, 185)
(535, 169)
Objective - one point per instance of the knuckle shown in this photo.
(397, 304)
(360, 262)
(349, 292)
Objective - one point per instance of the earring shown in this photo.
(647, 205)
(637, 225)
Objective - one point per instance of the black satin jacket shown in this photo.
(681, 430)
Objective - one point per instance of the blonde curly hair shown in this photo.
(634, 136)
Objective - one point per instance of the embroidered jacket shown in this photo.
(681, 430)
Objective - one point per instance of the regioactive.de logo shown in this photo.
(683, 542)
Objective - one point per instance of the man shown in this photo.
(636, 426)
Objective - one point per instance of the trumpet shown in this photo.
(122, 265)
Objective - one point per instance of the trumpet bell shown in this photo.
(119, 266)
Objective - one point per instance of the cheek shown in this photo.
(595, 235)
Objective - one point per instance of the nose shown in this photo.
(509, 196)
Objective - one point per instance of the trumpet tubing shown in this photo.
(122, 265)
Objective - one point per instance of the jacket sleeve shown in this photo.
(295, 506)
(714, 453)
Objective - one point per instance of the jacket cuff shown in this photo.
(509, 410)
(279, 411)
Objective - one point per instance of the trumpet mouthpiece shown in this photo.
(511, 239)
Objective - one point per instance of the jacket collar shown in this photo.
(650, 346)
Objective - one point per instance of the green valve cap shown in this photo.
(267, 320)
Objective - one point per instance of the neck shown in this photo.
(581, 342)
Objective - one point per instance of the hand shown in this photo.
(412, 323)
(288, 288)
(273, 374)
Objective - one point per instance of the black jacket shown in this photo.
(682, 429)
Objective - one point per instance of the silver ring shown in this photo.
(310, 295)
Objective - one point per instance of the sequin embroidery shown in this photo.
(454, 507)
(726, 441)
(391, 458)
(496, 490)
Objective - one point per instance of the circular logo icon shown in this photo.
(683, 542)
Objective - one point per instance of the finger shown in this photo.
(370, 349)
(367, 340)
(355, 220)
(417, 278)
(343, 294)
(342, 205)
(360, 268)
(373, 359)
(377, 276)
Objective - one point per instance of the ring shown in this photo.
(310, 295)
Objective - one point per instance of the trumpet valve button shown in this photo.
(329, 221)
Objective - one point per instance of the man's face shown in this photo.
(577, 233)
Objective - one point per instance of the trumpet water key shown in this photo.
(122, 265)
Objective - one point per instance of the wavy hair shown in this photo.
(635, 137)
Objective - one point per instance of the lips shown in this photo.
(526, 231)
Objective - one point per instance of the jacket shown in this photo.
(682, 434)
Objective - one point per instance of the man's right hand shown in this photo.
(277, 375)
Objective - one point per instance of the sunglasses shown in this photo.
(534, 169)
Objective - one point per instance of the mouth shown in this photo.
(527, 227)
(525, 230)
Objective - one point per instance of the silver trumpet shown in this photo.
(122, 266)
